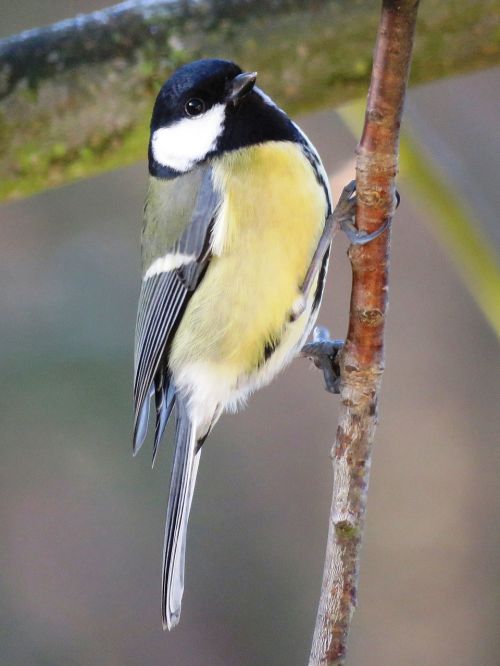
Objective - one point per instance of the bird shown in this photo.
(236, 238)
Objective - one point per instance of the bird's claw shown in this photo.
(344, 215)
(358, 237)
(325, 355)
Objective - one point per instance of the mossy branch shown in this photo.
(75, 97)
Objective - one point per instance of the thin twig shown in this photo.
(362, 359)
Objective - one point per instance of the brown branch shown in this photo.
(362, 359)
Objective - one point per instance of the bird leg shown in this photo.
(341, 218)
(325, 355)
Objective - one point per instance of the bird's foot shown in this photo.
(325, 355)
(344, 215)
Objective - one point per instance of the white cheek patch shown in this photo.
(168, 262)
(188, 141)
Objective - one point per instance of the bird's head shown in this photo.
(205, 108)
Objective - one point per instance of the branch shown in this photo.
(362, 359)
(75, 98)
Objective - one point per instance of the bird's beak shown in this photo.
(240, 86)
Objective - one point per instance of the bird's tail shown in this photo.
(182, 482)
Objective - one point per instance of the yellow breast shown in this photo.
(268, 227)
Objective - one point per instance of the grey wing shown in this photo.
(163, 299)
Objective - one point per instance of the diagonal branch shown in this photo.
(362, 359)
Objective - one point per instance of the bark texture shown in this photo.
(362, 359)
(75, 97)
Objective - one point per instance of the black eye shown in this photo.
(194, 107)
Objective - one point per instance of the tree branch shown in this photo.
(362, 359)
(75, 97)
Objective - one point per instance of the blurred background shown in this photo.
(81, 523)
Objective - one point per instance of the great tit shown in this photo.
(233, 267)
